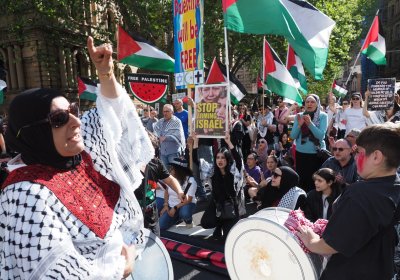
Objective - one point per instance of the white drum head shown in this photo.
(258, 248)
(155, 262)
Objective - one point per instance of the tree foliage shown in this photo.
(154, 21)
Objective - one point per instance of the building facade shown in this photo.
(44, 55)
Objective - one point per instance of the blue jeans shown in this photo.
(166, 159)
(184, 213)
(159, 204)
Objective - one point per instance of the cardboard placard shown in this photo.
(211, 112)
(382, 93)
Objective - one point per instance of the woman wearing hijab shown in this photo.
(262, 152)
(281, 190)
(69, 210)
(309, 131)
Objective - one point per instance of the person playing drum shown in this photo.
(70, 212)
(360, 234)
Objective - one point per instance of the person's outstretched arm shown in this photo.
(101, 56)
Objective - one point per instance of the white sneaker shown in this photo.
(191, 225)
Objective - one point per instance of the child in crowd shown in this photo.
(360, 234)
(319, 201)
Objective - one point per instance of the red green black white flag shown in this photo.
(136, 51)
(374, 46)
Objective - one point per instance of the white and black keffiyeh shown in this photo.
(41, 239)
(172, 127)
(207, 171)
(289, 200)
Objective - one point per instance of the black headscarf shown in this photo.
(35, 143)
(269, 194)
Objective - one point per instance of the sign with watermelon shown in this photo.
(148, 88)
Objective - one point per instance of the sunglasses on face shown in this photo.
(339, 149)
(355, 98)
(57, 118)
(276, 175)
(345, 103)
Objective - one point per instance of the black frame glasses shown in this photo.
(355, 98)
(56, 118)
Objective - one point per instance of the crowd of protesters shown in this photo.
(278, 153)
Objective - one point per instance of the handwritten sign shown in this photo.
(382, 93)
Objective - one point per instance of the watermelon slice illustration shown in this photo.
(146, 87)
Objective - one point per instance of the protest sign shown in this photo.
(211, 112)
(382, 93)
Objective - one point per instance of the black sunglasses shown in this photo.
(57, 118)
(355, 98)
(339, 149)
(276, 175)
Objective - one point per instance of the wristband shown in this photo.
(108, 74)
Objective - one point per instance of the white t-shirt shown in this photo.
(173, 198)
(325, 205)
(354, 118)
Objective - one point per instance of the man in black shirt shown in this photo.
(360, 234)
(145, 193)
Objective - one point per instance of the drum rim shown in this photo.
(228, 256)
(149, 235)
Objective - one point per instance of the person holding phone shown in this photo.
(309, 131)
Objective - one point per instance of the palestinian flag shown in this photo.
(87, 89)
(217, 75)
(295, 67)
(306, 28)
(338, 90)
(3, 86)
(374, 46)
(278, 78)
(135, 51)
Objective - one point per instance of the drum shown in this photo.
(261, 247)
(155, 262)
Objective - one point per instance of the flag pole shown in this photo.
(263, 71)
(227, 77)
(359, 53)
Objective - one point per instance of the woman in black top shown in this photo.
(320, 200)
(227, 180)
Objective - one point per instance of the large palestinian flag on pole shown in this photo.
(295, 67)
(87, 89)
(217, 75)
(278, 78)
(374, 46)
(3, 85)
(305, 27)
(135, 51)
